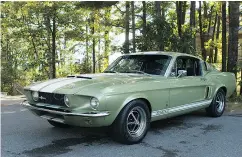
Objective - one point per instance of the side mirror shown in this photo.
(182, 73)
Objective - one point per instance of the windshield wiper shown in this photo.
(138, 71)
(110, 71)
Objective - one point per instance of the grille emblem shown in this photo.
(42, 98)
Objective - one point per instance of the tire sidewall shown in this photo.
(122, 122)
(214, 107)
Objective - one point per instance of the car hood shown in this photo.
(88, 84)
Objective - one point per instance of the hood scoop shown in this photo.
(79, 76)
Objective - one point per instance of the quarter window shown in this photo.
(190, 64)
(204, 66)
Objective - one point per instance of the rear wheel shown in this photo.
(58, 125)
(132, 123)
(217, 106)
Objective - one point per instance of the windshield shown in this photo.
(143, 64)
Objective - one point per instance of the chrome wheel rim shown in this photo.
(136, 121)
(219, 102)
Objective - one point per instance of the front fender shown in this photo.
(131, 98)
(115, 103)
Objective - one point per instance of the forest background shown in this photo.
(50, 39)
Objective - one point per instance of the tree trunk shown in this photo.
(87, 56)
(158, 9)
(93, 44)
(126, 43)
(240, 91)
(178, 13)
(158, 17)
(192, 14)
(133, 25)
(210, 19)
(192, 22)
(224, 41)
(144, 25)
(212, 46)
(106, 36)
(99, 52)
(163, 11)
(217, 38)
(183, 13)
(234, 14)
(48, 43)
(204, 53)
(205, 9)
(53, 34)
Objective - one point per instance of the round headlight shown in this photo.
(35, 95)
(66, 100)
(94, 103)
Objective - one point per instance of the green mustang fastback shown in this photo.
(133, 91)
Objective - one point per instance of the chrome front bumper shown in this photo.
(89, 114)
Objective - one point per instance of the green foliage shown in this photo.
(184, 44)
(27, 33)
(26, 40)
(172, 42)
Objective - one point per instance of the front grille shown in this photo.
(52, 98)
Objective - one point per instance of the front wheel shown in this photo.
(132, 123)
(217, 106)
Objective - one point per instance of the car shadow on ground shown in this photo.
(101, 136)
(161, 124)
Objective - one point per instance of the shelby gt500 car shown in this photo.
(133, 91)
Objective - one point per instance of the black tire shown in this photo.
(121, 130)
(58, 125)
(213, 110)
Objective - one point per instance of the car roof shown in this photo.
(173, 54)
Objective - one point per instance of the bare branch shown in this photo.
(122, 12)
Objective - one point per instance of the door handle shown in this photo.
(203, 79)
